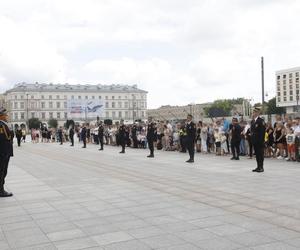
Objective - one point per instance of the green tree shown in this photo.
(273, 109)
(34, 123)
(108, 122)
(52, 123)
(69, 123)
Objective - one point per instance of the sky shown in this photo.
(180, 51)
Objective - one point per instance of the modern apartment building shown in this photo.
(46, 101)
(287, 89)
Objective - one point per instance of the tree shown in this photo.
(273, 109)
(108, 122)
(69, 123)
(52, 123)
(34, 123)
(220, 108)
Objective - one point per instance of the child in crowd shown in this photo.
(290, 139)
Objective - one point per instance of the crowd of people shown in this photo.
(219, 136)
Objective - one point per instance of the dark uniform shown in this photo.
(19, 136)
(258, 129)
(151, 134)
(100, 135)
(60, 136)
(83, 136)
(235, 142)
(122, 137)
(6, 151)
(190, 139)
(134, 136)
(71, 135)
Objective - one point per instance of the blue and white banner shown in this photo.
(82, 109)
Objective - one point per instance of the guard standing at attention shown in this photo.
(122, 137)
(84, 135)
(100, 135)
(60, 135)
(151, 134)
(258, 128)
(71, 135)
(190, 137)
(6, 150)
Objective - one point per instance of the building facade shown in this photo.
(287, 89)
(47, 101)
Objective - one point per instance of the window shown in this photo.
(107, 114)
(290, 75)
(113, 104)
(65, 97)
(297, 92)
(43, 115)
(99, 97)
(291, 98)
(279, 99)
(278, 93)
(284, 87)
(65, 105)
(126, 115)
(50, 97)
(297, 80)
(22, 105)
(72, 97)
(119, 104)
(79, 97)
(22, 97)
(66, 115)
(22, 116)
(15, 105)
(290, 80)
(284, 76)
(126, 105)
(42, 105)
(284, 93)
(113, 114)
(113, 97)
(284, 81)
(278, 77)
(120, 114)
(291, 87)
(16, 97)
(278, 83)
(86, 97)
(58, 115)
(32, 114)
(106, 105)
(143, 114)
(93, 97)
(42, 97)
(16, 116)
(142, 104)
(57, 97)
(106, 97)
(58, 105)
(291, 92)
(284, 99)
(32, 105)
(297, 74)
(50, 105)
(32, 97)
(119, 97)
(51, 115)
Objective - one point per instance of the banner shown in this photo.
(84, 109)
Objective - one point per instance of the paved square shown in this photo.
(74, 198)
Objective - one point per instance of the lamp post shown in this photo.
(27, 104)
(297, 99)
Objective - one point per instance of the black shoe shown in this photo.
(150, 156)
(260, 170)
(83, 147)
(232, 158)
(5, 194)
(100, 149)
(255, 170)
(122, 152)
(190, 161)
(237, 158)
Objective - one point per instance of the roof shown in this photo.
(43, 87)
(282, 71)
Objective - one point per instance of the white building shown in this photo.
(287, 89)
(46, 101)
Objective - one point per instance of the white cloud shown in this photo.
(180, 51)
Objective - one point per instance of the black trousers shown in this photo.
(72, 140)
(190, 145)
(4, 160)
(135, 141)
(123, 143)
(19, 141)
(182, 144)
(60, 139)
(235, 148)
(259, 154)
(101, 141)
(151, 146)
(84, 142)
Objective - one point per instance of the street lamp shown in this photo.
(297, 99)
(27, 118)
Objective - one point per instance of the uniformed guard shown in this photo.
(190, 137)
(6, 150)
(122, 137)
(101, 134)
(84, 135)
(258, 128)
(60, 135)
(71, 135)
(151, 133)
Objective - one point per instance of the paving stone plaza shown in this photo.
(74, 198)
